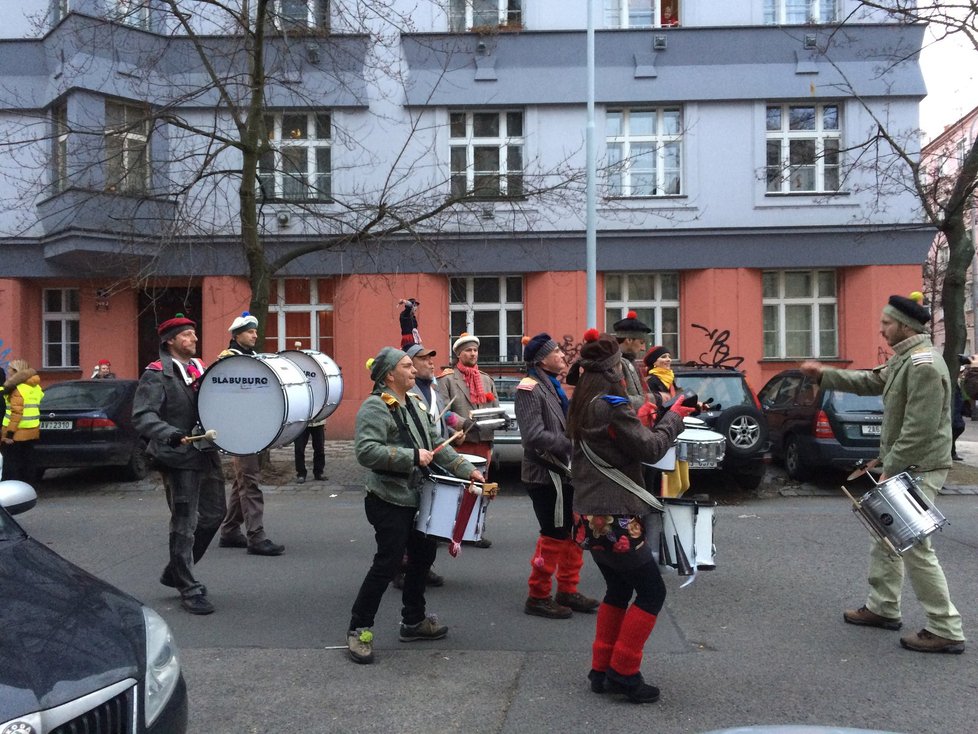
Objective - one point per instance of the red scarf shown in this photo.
(473, 380)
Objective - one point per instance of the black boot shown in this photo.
(633, 687)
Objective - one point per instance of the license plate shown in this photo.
(55, 425)
(872, 430)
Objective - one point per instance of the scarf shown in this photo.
(665, 376)
(564, 402)
(473, 380)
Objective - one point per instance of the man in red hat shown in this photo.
(165, 414)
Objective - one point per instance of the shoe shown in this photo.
(166, 578)
(867, 618)
(546, 607)
(925, 641)
(633, 687)
(577, 602)
(301, 479)
(480, 543)
(955, 457)
(233, 541)
(427, 629)
(434, 579)
(266, 548)
(360, 643)
(197, 604)
(321, 477)
(598, 681)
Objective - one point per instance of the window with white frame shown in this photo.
(654, 297)
(60, 327)
(803, 142)
(299, 165)
(800, 314)
(59, 146)
(800, 12)
(300, 16)
(641, 13)
(464, 15)
(300, 315)
(491, 307)
(644, 151)
(126, 148)
(132, 12)
(486, 153)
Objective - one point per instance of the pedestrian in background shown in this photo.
(21, 421)
(103, 371)
(317, 433)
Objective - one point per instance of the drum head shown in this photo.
(477, 461)
(324, 377)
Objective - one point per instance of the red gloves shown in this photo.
(682, 410)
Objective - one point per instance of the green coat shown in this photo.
(394, 474)
(916, 390)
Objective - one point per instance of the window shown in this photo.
(791, 12)
(464, 15)
(799, 314)
(299, 166)
(132, 12)
(300, 310)
(59, 147)
(59, 10)
(492, 309)
(644, 151)
(802, 148)
(486, 153)
(126, 148)
(300, 15)
(60, 315)
(654, 297)
(641, 13)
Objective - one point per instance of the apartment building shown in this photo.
(736, 214)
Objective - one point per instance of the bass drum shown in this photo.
(254, 403)
(325, 377)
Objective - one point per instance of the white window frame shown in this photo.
(616, 309)
(317, 16)
(127, 150)
(133, 13)
(801, 12)
(59, 146)
(463, 14)
(509, 180)
(777, 306)
(788, 176)
(68, 320)
(618, 13)
(502, 308)
(317, 185)
(624, 174)
(278, 308)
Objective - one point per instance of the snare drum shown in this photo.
(898, 511)
(667, 462)
(440, 500)
(254, 402)
(701, 448)
(325, 377)
(691, 522)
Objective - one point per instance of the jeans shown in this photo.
(394, 532)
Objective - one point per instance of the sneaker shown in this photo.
(266, 548)
(598, 681)
(360, 643)
(546, 607)
(197, 604)
(233, 541)
(321, 477)
(577, 601)
(632, 687)
(301, 479)
(925, 641)
(956, 457)
(427, 629)
(863, 616)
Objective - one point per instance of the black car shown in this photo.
(733, 412)
(76, 654)
(813, 428)
(89, 423)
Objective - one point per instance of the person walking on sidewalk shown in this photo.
(317, 432)
(247, 503)
(916, 438)
(395, 439)
(541, 413)
(610, 445)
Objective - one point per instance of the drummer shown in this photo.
(247, 503)
(916, 437)
(396, 440)
(633, 337)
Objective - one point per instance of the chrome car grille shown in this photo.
(114, 716)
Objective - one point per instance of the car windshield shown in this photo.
(506, 388)
(723, 390)
(846, 402)
(82, 395)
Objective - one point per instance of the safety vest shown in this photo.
(31, 417)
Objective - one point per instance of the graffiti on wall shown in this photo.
(717, 354)
(4, 357)
(570, 348)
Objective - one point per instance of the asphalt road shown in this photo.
(760, 640)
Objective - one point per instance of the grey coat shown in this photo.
(452, 388)
(542, 427)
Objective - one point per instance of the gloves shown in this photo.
(648, 414)
(468, 424)
(174, 439)
(682, 410)
(17, 378)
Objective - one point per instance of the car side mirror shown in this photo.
(16, 496)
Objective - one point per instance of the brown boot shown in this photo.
(925, 641)
(863, 616)
(577, 601)
(546, 607)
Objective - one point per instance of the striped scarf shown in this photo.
(473, 380)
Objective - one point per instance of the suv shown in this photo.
(507, 446)
(734, 412)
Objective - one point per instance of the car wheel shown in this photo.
(793, 463)
(138, 466)
(745, 430)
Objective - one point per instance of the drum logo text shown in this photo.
(218, 380)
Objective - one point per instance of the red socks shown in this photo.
(626, 658)
(605, 634)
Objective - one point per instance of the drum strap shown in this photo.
(557, 471)
(621, 479)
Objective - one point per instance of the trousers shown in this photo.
(246, 503)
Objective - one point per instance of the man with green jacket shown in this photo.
(916, 438)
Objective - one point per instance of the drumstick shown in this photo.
(443, 444)
(205, 436)
(857, 508)
(863, 469)
(445, 410)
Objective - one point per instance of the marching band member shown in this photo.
(632, 336)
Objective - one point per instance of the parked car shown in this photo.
(812, 428)
(507, 445)
(89, 423)
(734, 413)
(77, 654)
